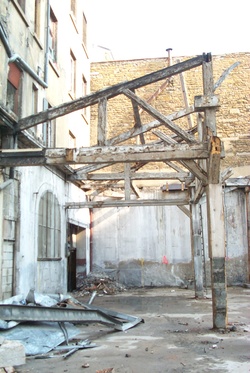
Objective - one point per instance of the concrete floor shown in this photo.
(177, 336)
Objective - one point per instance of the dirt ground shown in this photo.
(176, 336)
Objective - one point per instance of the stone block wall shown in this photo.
(233, 116)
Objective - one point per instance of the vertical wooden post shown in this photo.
(127, 180)
(216, 244)
(196, 248)
(215, 210)
(102, 122)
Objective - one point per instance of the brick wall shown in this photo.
(233, 117)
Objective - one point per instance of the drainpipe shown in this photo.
(4, 39)
(18, 60)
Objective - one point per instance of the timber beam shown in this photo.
(110, 92)
(162, 118)
(135, 131)
(99, 155)
(179, 198)
(133, 176)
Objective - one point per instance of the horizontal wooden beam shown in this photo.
(133, 176)
(173, 199)
(114, 154)
(109, 92)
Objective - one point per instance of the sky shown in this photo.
(134, 29)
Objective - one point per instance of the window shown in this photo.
(49, 129)
(84, 30)
(13, 88)
(38, 17)
(72, 75)
(49, 227)
(52, 37)
(22, 4)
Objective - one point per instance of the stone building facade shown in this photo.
(43, 62)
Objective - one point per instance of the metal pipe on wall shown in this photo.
(15, 58)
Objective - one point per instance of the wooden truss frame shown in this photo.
(198, 156)
(193, 155)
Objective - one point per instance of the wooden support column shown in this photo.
(127, 180)
(196, 242)
(216, 245)
(215, 210)
(102, 122)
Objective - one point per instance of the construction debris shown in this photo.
(99, 282)
(45, 328)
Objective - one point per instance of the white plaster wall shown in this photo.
(148, 233)
(45, 276)
(135, 239)
(236, 225)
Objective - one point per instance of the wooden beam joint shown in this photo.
(206, 102)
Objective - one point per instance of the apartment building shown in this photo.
(44, 62)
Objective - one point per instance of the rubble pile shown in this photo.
(98, 282)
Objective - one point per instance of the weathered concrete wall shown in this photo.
(236, 236)
(130, 243)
